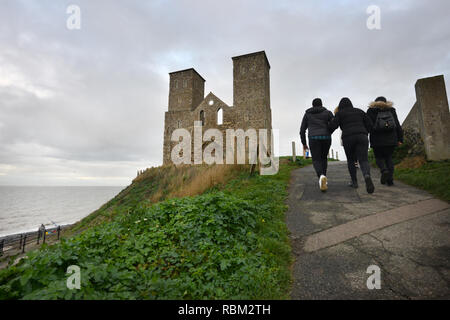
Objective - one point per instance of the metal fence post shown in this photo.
(24, 242)
(1, 246)
(38, 236)
(45, 233)
(59, 230)
(20, 243)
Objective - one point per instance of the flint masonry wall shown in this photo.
(251, 99)
(430, 116)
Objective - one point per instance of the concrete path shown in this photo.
(337, 235)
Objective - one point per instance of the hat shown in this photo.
(317, 102)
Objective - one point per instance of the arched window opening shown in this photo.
(220, 117)
(202, 117)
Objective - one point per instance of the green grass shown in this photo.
(432, 177)
(229, 243)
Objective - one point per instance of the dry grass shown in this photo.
(412, 163)
(186, 180)
(205, 179)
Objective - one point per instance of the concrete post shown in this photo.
(434, 117)
(337, 158)
(332, 154)
(293, 152)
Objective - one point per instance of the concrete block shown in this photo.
(433, 117)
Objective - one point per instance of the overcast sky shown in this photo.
(86, 107)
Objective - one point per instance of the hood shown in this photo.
(381, 104)
(316, 110)
(345, 103)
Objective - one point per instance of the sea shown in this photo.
(24, 209)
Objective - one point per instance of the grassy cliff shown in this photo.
(175, 233)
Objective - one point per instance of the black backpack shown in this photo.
(385, 121)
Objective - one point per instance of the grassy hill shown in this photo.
(202, 232)
(157, 184)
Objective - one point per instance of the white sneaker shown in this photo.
(323, 183)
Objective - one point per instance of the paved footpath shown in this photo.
(338, 234)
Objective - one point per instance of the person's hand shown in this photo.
(400, 143)
(305, 147)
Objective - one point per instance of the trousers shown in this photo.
(356, 149)
(319, 152)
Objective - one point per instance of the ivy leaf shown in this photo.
(224, 264)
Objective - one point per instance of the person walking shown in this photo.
(316, 121)
(385, 136)
(342, 143)
(355, 126)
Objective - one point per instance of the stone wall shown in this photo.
(431, 118)
(411, 122)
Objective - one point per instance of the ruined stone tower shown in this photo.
(251, 100)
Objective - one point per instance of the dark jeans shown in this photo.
(319, 152)
(383, 157)
(356, 149)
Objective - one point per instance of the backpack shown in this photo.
(384, 121)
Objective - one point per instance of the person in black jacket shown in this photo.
(355, 126)
(316, 120)
(386, 134)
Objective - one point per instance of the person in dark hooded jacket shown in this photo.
(355, 126)
(316, 120)
(386, 134)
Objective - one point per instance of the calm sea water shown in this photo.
(24, 209)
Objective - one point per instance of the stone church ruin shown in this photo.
(188, 107)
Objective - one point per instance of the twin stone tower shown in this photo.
(251, 101)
